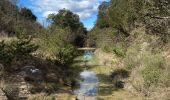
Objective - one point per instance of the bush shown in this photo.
(66, 55)
(23, 46)
(119, 50)
(56, 44)
(154, 65)
(52, 39)
(132, 58)
(17, 48)
(151, 76)
(6, 53)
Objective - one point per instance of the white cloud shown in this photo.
(84, 8)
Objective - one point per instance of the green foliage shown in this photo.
(27, 13)
(102, 20)
(6, 53)
(119, 50)
(12, 19)
(53, 38)
(65, 55)
(153, 69)
(125, 15)
(56, 42)
(119, 15)
(151, 76)
(67, 19)
(132, 59)
(21, 47)
(107, 49)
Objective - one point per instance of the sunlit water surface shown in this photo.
(88, 84)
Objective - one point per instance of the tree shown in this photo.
(119, 12)
(102, 20)
(27, 13)
(67, 19)
(13, 19)
(16, 49)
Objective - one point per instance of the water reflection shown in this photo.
(88, 84)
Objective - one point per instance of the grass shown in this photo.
(63, 96)
(5, 38)
(106, 90)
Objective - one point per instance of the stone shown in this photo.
(23, 91)
(2, 95)
(32, 73)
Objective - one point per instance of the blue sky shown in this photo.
(86, 9)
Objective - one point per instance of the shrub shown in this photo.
(6, 53)
(106, 48)
(154, 65)
(151, 76)
(23, 46)
(56, 44)
(132, 58)
(53, 39)
(17, 48)
(66, 55)
(119, 51)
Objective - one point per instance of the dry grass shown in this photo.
(5, 38)
(106, 90)
(63, 96)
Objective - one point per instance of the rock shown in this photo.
(2, 95)
(23, 91)
(31, 73)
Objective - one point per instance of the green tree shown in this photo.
(12, 19)
(122, 15)
(27, 13)
(67, 19)
(102, 20)
(16, 49)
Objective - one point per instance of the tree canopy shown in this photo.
(67, 19)
(27, 13)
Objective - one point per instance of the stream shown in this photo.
(88, 82)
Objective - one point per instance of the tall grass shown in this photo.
(149, 70)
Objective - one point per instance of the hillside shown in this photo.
(138, 34)
(35, 60)
(14, 19)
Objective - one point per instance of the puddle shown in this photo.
(88, 84)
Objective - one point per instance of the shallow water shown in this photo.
(88, 84)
